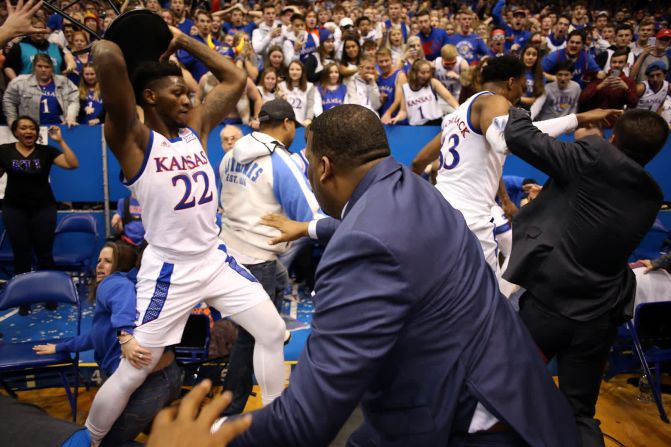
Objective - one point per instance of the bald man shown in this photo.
(229, 135)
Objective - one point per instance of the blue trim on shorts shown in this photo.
(80, 438)
(502, 229)
(160, 293)
(230, 260)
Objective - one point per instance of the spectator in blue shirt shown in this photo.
(395, 19)
(114, 314)
(580, 19)
(557, 38)
(204, 26)
(182, 21)
(516, 35)
(432, 38)
(584, 66)
(237, 23)
(469, 45)
(127, 221)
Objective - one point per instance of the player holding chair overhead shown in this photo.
(165, 164)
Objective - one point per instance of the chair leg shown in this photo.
(8, 389)
(646, 369)
(76, 393)
(69, 394)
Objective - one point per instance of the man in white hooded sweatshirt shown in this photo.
(258, 177)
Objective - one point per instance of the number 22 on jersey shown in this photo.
(189, 201)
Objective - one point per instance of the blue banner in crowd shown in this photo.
(86, 183)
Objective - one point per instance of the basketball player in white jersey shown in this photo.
(471, 149)
(653, 91)
(165, 164)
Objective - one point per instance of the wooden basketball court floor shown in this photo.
(625, 420)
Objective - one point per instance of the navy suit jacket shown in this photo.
(409, 323)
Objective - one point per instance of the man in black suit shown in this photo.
(571, 245)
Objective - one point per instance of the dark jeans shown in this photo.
(157, 391)
(31, 230)
(581, 348)
(241, 366)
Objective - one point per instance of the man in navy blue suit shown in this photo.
(408, 321)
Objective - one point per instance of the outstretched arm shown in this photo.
(68, 159)
(124, 132)
(351, 337)
(18, 20)
(222, 99)
(559, 160)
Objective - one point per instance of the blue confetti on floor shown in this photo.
(43, 325)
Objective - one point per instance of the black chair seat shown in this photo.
(17, 356)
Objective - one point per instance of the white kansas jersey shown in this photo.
(452, 84)
(470, 169)
(422, 105)
(176, 187)
(302, 100)
(651, 100)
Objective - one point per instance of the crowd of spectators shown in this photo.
(409, 61)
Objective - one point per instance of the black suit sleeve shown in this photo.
(558, 159)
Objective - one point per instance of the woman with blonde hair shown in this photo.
(80, 40)
(91, 109)
(420, 97)
(413, 52)
(396, 46)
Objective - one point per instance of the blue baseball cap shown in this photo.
(657, 65)
(325, 34)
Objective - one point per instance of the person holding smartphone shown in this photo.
(29, 208)
(615, 91)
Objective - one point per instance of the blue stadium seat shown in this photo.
(651, 336)
(19, 359)
(75, 245)
(652, 243)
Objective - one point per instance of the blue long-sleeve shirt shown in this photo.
(513, 36)
(583, 66)
(115, 309)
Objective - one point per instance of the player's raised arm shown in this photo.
(222, 99)
(125, 134)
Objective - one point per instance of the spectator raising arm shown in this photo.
(18, 22)
(68, 159)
